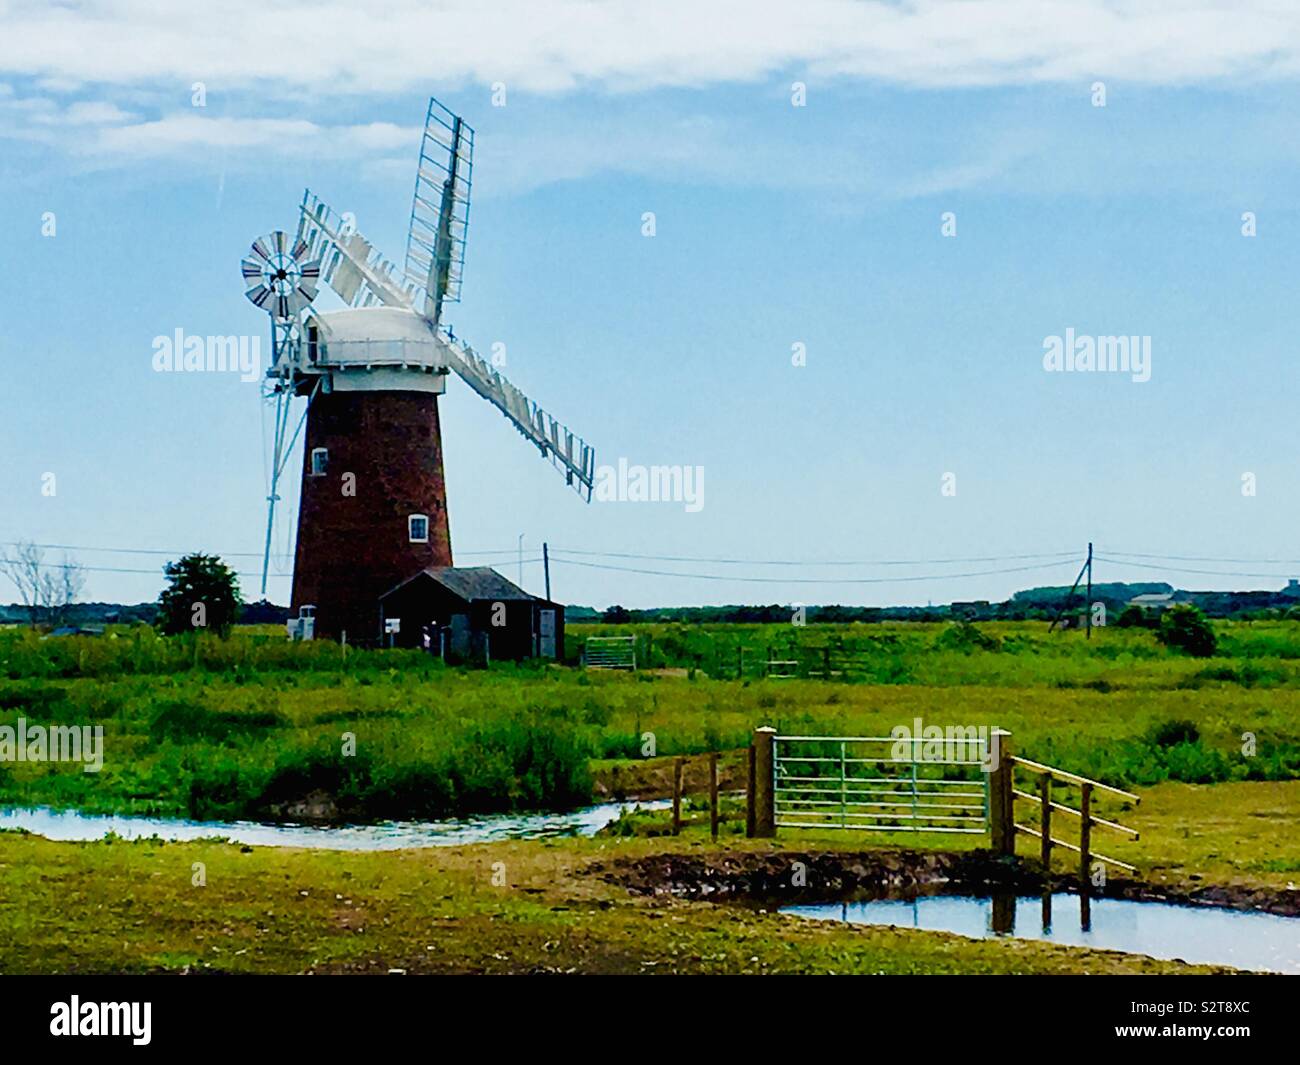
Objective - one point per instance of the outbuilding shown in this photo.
(471, 613)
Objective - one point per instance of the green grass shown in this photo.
(245, 726)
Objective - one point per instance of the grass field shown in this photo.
(246, 726)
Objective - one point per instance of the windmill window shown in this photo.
(320, 461)
(418, 526)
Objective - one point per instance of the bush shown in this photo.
(39, 701)
(183, 722)
(966, 636)
(1135, 617)
(1172, 733)
(1184, 628)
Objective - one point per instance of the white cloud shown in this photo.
(333, 46)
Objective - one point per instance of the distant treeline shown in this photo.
(262, 612)
(1033, 604)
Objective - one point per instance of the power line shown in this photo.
(1184, 569)
(178, 554)
(118, 569)
(1208, 558)
(815, 580)
(1074, 553)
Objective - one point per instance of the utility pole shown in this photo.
(1088, 604)
(1085, 568)
(521, 560)
(546, 568)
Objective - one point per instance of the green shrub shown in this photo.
(1135, 617)
(1171, 733)
(178, 721)
(40, 701)
(966, 636)
(1184, 628)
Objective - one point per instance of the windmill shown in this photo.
(373, 507)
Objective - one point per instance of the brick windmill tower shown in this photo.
(373, 504)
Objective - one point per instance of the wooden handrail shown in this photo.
(1071, 810)
(1038, 767)
(1077, 850)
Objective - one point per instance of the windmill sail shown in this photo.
(435, 245)
(349, 263)
(568, 452)
(361, 277)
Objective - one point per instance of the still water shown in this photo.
(388, 835)
(1201, 934)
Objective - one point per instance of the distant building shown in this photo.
(471, 613)
(1153, 600)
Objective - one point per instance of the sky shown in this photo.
(870, 219)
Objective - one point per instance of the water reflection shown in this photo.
(1210, 935)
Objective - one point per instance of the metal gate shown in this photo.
(879, 783)
(609, 652)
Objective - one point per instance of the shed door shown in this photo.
(547, 633)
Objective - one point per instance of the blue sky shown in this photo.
(775, 225)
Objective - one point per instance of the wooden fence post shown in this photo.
(1045, 823)
(1085, 836)
(749, 794)
(713, 793)
(764, 796)
(677, 796)
(1001, 802)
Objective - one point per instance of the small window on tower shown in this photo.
(418, 525)
(320, 461)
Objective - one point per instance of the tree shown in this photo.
(1134, 617)
(61, 587)
(202, 593)
(47, 590)
(1184, 628)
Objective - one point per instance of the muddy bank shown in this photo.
(794, 876)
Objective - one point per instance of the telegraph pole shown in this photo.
(1088, 604)
(546, 568)
(1065, 603)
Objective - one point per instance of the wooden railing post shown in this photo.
(713, 794)
(749, 794)
(763, 791)
(1002, 826)
(1045, 823)
(677, 796)
(1085, 836)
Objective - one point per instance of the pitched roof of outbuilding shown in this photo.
(468, 582)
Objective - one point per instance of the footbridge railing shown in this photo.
(967, 784)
